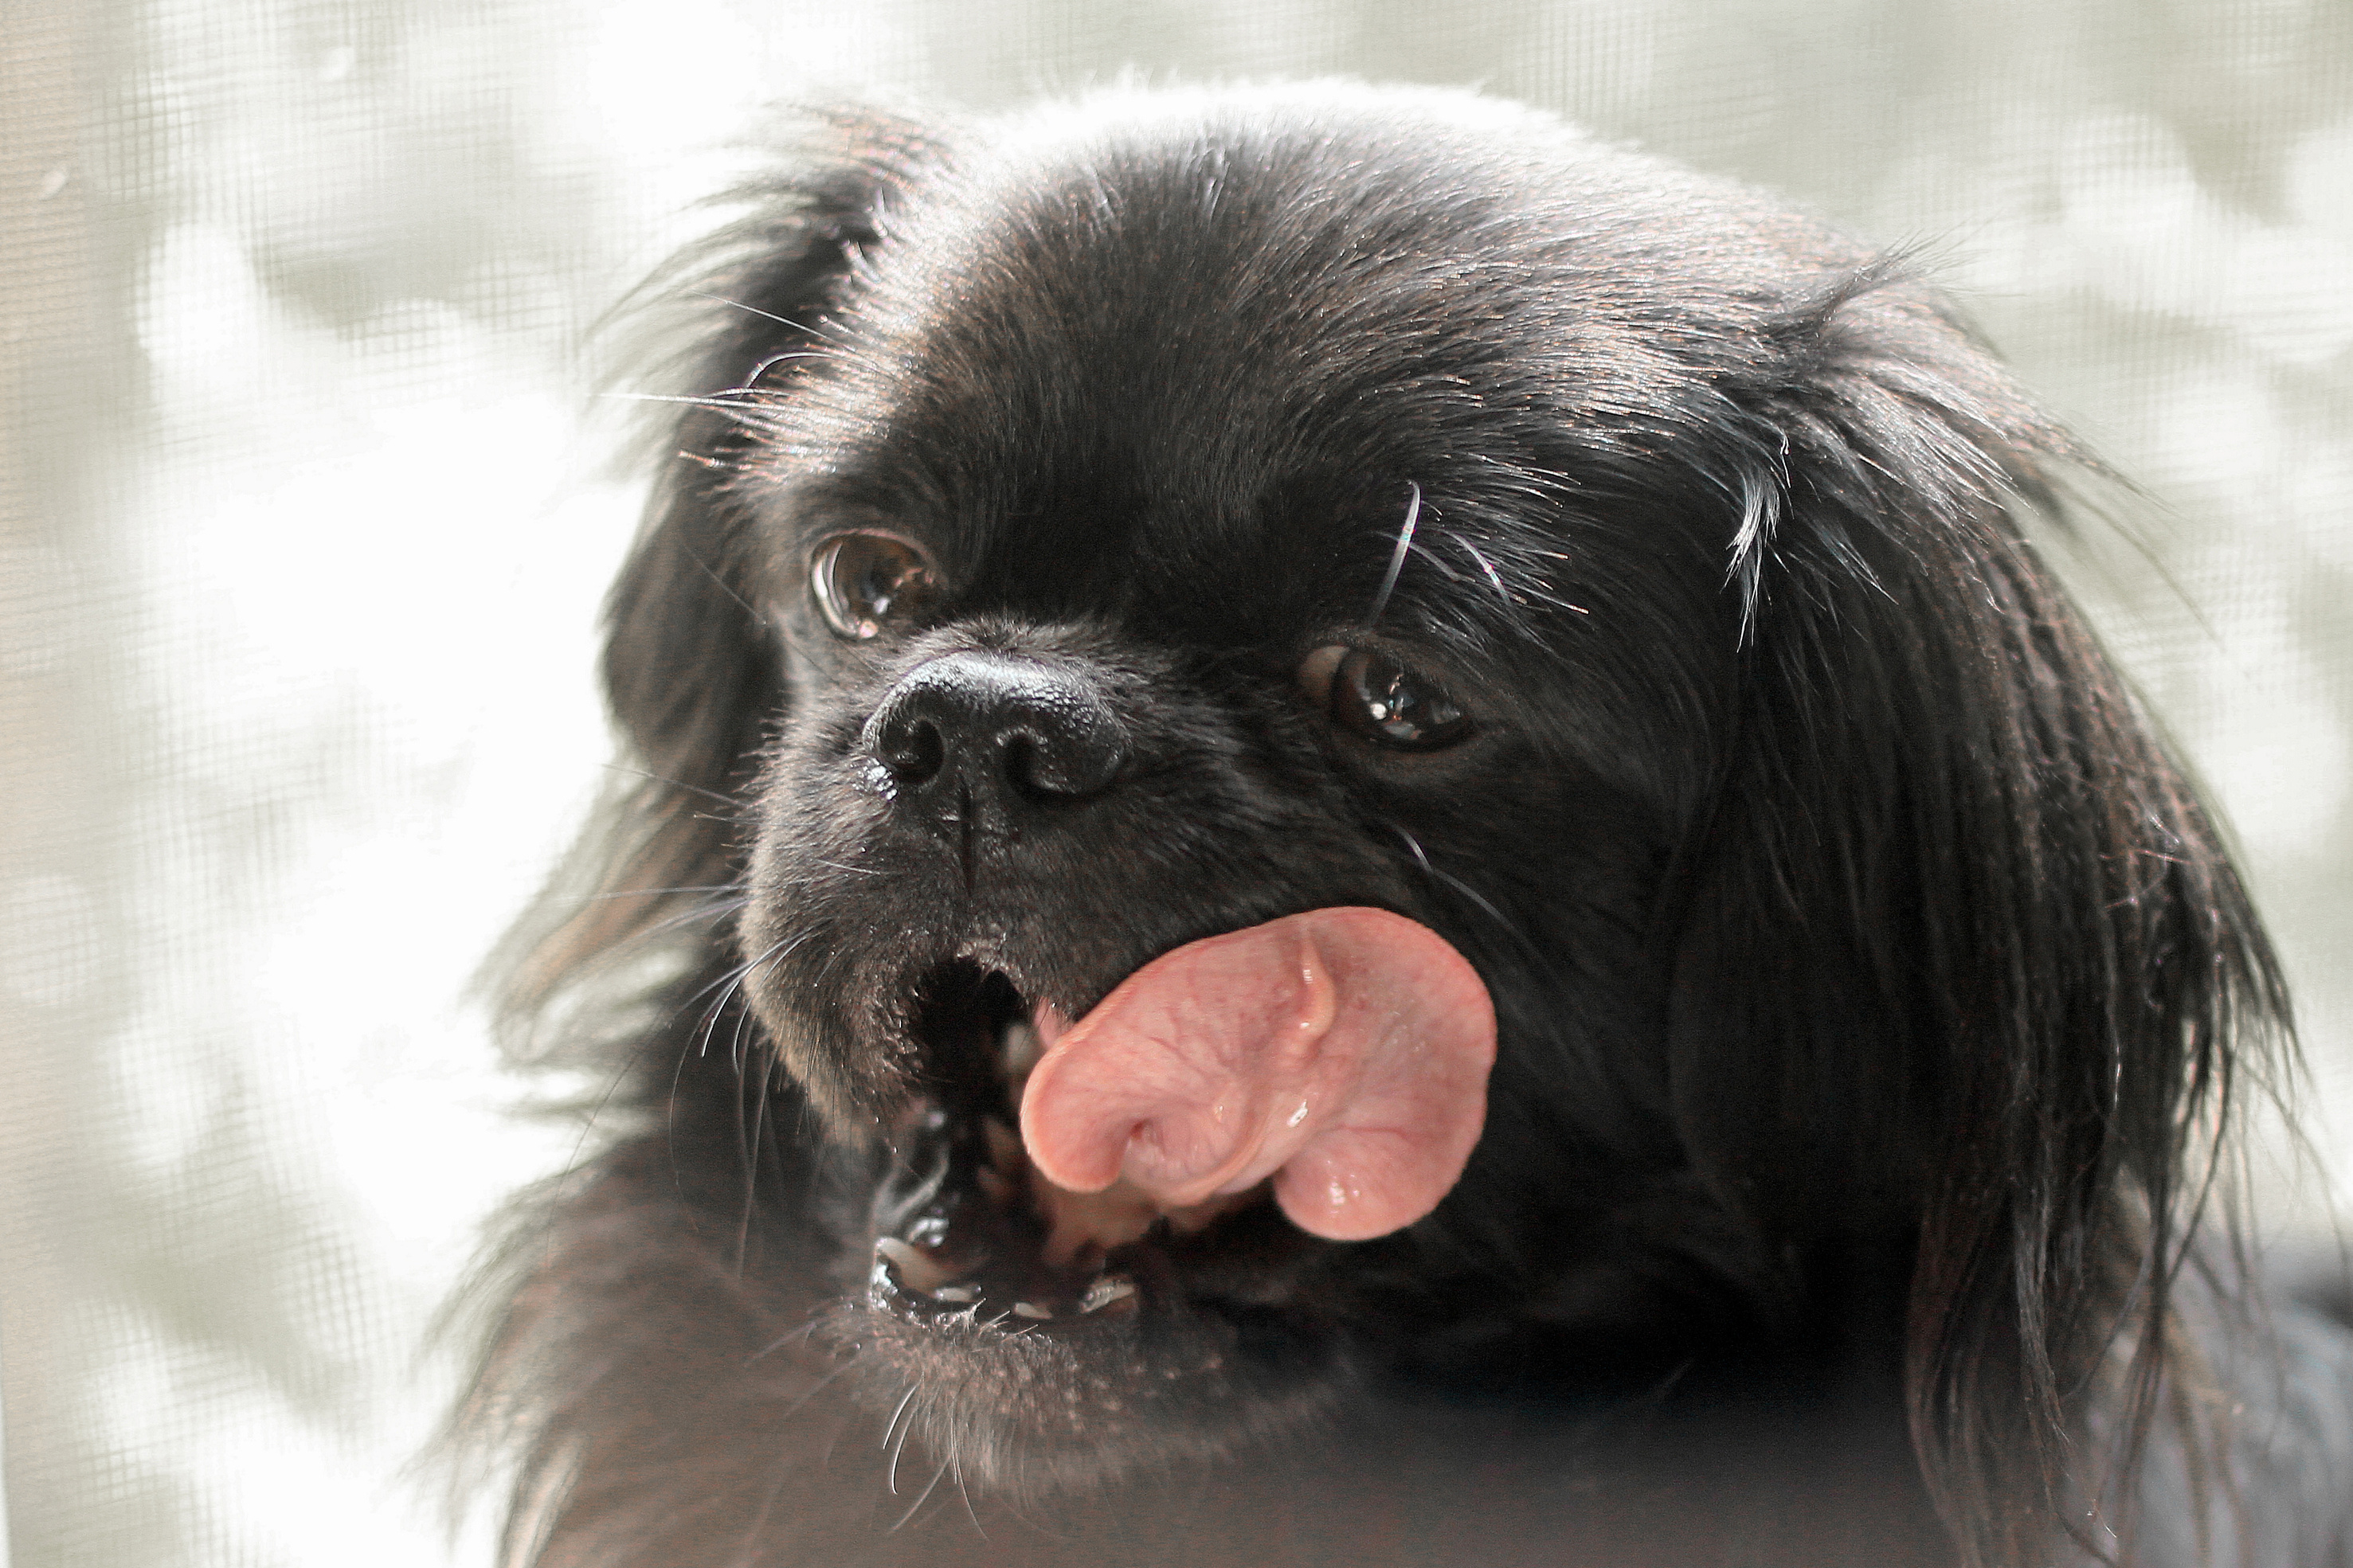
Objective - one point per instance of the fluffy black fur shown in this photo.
(1872, 988)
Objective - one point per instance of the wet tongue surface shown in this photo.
(1341, 1052)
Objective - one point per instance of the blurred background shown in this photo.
(307, 499)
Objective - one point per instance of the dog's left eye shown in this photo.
(1388, 704)
(865, 581)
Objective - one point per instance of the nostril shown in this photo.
(1069, 761)
(912, 751)
(1020, 759)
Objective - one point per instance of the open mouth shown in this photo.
(968, 1228)
(1095, 1241)
(1334, 1061)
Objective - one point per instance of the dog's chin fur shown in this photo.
(1869, 986)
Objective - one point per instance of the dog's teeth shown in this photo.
(1025, 1309)
(1003, 1145)
(1105, 1289)
(916, 1271)
(1018, 1049)
(957, 1293)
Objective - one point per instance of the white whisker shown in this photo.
(1396, 556)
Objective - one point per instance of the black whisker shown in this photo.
(1478, 900)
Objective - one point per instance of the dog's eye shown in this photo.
(1381, 699)
(865, 581)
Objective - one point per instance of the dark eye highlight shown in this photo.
(1365, 690)
(865, 582)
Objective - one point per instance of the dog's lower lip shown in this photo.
(955, 1239)
(913, 1281)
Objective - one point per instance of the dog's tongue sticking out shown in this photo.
(1343, 1052)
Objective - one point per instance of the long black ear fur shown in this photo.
(618, 1291)
(1962, 949)
(691, 666)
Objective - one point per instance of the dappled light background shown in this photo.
(306, 503)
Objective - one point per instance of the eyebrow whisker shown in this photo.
(1396, 556)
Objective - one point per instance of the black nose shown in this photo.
(994, 730)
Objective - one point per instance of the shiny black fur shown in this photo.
(1871, 987)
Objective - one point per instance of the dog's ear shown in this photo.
(691, 668)
(1962, 962)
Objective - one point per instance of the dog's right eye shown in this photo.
(865, 581)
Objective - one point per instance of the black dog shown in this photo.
(1337, 562)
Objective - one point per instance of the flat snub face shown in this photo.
(1176, 763)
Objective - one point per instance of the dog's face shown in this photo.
(1114, 543)
(1180, 529)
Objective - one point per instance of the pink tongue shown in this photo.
(1343, 1052)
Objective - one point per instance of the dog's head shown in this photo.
(1131, 524)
